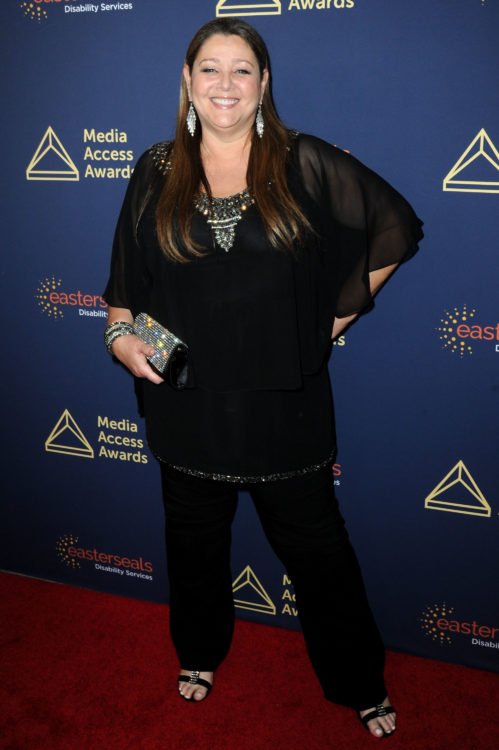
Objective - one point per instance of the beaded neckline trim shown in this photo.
(252, 479)
(160, 154)
(223, 215)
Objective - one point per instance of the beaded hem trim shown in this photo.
(223, 215)
(251, 479)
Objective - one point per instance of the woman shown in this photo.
(253, 244)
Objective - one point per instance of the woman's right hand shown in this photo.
(132, 352)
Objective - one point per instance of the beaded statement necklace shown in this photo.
(223, 215)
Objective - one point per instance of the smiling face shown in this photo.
(225, 86)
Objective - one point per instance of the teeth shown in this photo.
(224, 101)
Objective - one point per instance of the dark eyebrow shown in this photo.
(217, 60)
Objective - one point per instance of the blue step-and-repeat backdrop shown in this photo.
(410, 88)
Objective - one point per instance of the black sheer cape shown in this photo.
(258, 320)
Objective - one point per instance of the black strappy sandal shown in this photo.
(380, 710)
(195, 679)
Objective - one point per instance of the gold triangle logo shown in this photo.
(245, 8)
(255, 598)
(458, 493)
(481, 152)
(67, 438)
(51, 152)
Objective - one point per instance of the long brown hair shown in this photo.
(282, 218)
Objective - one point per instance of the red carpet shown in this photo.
(83, 670)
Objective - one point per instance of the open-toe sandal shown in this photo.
(376, 713)
(194, 679)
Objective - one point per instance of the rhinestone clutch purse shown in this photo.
(170, 356)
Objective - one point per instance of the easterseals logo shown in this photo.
(73, 555)
(94, 8)
(459, 333)
(33, 10)
(438, 622)
(53, 300)
(336, 469)
(45, 288)
(38, 10)
(63, 544)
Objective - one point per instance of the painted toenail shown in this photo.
(379, 731)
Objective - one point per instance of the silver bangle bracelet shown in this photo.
(114, 330)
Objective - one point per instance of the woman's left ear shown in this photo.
(263, 82)
(187, 78)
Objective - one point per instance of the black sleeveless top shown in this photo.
(257, 320)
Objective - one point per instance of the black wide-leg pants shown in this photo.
(302, 521)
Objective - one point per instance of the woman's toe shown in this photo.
(191, 691)
(380, 725)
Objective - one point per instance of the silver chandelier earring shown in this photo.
(191, 119)
(259, 121)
